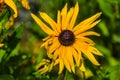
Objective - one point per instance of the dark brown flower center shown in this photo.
(66, 37)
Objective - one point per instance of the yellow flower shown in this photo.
(1, 45)
(67, 43)
(11, 4)
(25, 4)
(10, 22)
(45, 66)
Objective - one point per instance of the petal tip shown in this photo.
(99, 13)
(41, 13)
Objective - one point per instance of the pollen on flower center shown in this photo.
(66, 37)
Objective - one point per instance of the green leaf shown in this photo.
(107, 53)
(114, 72)
(15, 51)
(19, 31)
(6, 77)
(106, 8)
(2, 52)
(3, 15)
(103, 28)
(41, 55)
(116, 38)
(69, 76)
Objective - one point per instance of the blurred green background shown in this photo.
(21, 50)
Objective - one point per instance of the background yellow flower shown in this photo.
(12, 5)
(1, 45)
(25, 4)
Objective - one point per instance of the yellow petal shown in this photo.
(25, 4)
(45, 44)
(95, 51)
(67, 20)
(69, 52)
(56, 61)
(91, 57)
(61, 66)
(82, 67)
(83, 47)
(76, 57)
(79, 45)
(47, 41)
(10, 22)
(46, 38)
(86, 27)
(53, 46)
(56, 53)
(43, 70)
(43, 26)
(63, 56)
(88, 33)
(49, 20)
(51, 66)
(74, 17)
(59, 21)
(87, 21)
(84, 39)
(11, 4)
(64, 14)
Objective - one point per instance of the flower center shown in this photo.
(66, 37)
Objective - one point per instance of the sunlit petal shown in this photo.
(25, 4)
(53, 46)
(95, 51)
(11, 4)
(85, 39)
(43, 26)
(87, 21)
(67, 20)
(91, 57)
(64, 14)
(74, 17)
(77, 55)
(69, 52)
(64, 58)
(86, 27)
(82, 67)
(61, 66)
(57, 61)
(49, 20)
(56, 53)
(59, 21)
(89, 33)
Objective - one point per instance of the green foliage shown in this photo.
(21, 51)
(6, 77)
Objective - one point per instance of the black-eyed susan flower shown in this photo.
(25, 4)
(11, 4)
(67, 43)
